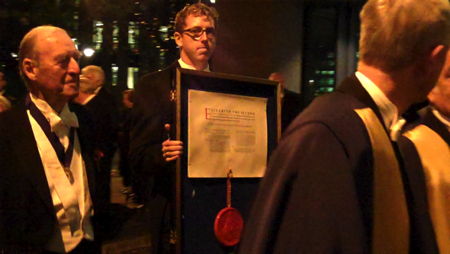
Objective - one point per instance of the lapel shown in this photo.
(173, 74)
(86, 148)
(25, 147)
(353, 87)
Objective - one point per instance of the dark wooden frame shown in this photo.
(224, 83)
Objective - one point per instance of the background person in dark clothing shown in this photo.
(291, 102)
(124, 146)
(100, 103)
(195, 34)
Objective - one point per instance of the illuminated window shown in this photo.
(115, 35)
(133, 34)
(114, 72)
(133, 74)
(97, 37)
(164, 33)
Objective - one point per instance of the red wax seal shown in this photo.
(228, 226)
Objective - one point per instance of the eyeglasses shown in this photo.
(196, 32)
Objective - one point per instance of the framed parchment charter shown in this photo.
(226, 122)
(226, 131)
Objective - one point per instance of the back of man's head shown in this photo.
(197, 10)
(397, 33)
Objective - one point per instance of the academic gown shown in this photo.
(316, 195)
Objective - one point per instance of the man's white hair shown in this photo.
(97, 70)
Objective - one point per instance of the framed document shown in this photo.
(228, 123)
(226, 131)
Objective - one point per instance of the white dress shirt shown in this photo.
(190, 67)
(442, 118)
(71, 201)
(91, 96)
(388, 110)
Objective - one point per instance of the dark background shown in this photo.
(311, 42)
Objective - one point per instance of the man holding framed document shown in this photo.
(154, 108)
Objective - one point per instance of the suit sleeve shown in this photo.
(148, 116)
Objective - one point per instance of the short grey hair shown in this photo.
(397, 33)
(95, 69)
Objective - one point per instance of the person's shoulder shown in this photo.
(290, 93)
(81, 112)
(332, 106)
(12, 113)
(105, 90)
(157, 82)
(167, 71)
(334, 110)
(428, 118)
(104, 95)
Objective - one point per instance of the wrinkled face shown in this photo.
(55, 70)
(440, 95)
(196, 50)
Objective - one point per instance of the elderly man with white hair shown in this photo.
(46, 175)
(102, 107)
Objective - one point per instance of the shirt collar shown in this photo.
(66, 116)
(190, 67)
(91, 96)
(97, 90)
(388, 110)
(442, 118)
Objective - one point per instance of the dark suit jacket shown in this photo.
(316, 196)
(27, 216)
(151, 110)
(291, 107)
(105, 115)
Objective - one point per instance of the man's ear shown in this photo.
(28, 68)
(433, 62)
(178, 41)
(438, 54)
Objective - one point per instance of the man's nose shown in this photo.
(73, 66)
(204, 36)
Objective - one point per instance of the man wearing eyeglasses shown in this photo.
(154, 108)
